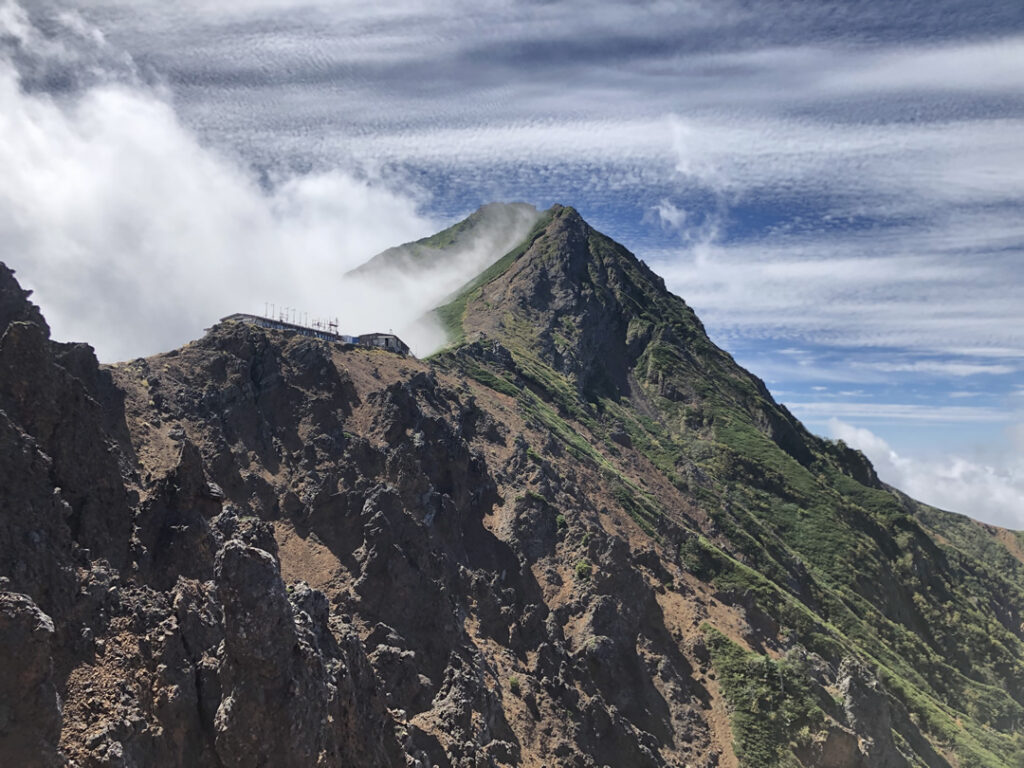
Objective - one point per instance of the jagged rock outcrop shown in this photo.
(867, 711)
(173, 537)
(36, 551)
(30, 713)
(275, 689)
(54, 407)
(15, 306)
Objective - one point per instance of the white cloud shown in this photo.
(942, 367)
(992, 65)
(882, 413)
(905, 290)
(991, 492)
(70, 53)
(670, 217)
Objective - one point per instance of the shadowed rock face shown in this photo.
(583, 537)
(44, 392)
(275, 686)
(14, 304)
(29, 705)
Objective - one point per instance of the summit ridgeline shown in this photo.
(570, 301)
(579, 535)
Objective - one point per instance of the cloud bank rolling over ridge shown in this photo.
(136, 235)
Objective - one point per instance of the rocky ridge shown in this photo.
(579, 536)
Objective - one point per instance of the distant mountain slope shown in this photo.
(473, 242)
(580, 535)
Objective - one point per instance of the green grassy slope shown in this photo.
(451, 313)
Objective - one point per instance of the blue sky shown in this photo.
(836, 187)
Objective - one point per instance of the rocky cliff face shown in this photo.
(580, 536)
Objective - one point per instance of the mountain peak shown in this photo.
(573, 306)
(585, 304)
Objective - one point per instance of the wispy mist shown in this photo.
(416, 278)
